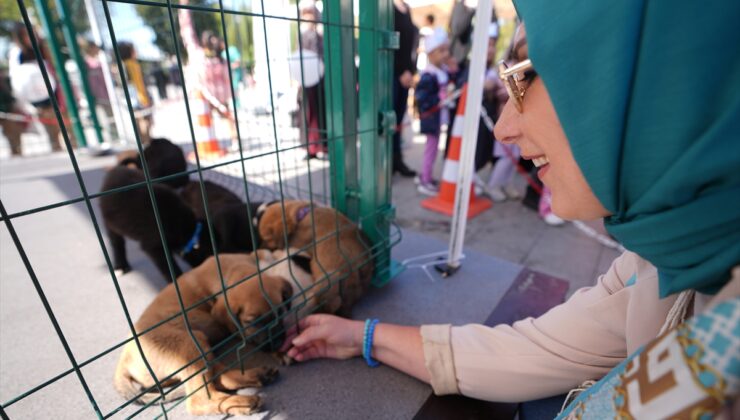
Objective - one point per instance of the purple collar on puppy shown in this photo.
(302, 212)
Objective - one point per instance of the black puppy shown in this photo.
(163, 158)
(129, 214)
(228, 213)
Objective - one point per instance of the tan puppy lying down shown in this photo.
(169, 347)
(343, 255)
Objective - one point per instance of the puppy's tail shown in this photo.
(132, 390)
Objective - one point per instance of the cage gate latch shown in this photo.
(386, 122)
(390, 40)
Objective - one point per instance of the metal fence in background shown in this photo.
(266, 163)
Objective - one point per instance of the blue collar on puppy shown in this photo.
(194, 242)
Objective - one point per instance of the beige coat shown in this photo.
(578, 340)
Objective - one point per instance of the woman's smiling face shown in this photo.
(537, 131)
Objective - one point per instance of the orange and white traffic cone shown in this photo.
(444, 202)
(205, 133)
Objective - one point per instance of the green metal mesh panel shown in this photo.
(267, 163)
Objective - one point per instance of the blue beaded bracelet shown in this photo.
(367, 342)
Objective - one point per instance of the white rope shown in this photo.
(425, 266)
(601, 238)
(574, 393)
(678, 311)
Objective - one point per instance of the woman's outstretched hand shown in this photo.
(324, 336)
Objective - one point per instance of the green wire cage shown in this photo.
(267, 163)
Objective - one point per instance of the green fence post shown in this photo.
(375, 73)
(48, 23)
(340, 88)
(70, 36)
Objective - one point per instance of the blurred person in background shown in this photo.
(426, 30)
(311, 98)
(404, 68)
(96, 81)
(207, 70)
(12, 123)
(237, 72)
(28, 84)
(141, 102)
(430, 94)
(461, 33)
(159, 76)
(504, 156)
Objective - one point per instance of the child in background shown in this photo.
(140, 99)
(207, 77)
(429, 94)
(96, 81)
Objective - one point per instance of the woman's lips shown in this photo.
(543, 170)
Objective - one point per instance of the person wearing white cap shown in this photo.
(430, 92)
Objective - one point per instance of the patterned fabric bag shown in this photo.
(690, 372)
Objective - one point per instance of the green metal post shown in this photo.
(375, 46)
(341, 106)
(48, 23)
(70, 36)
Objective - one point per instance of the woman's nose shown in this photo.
(506, 129)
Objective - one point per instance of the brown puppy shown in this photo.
(170, 350)
(344, 255)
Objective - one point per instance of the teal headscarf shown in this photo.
(648, 93)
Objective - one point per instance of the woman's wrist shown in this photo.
(358, 334)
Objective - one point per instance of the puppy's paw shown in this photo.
(240, 404)
(235, 379)
(282, 358)
(220, 403)
(267, 375)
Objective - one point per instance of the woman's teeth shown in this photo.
(540, 161)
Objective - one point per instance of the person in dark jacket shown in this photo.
(461, 31)
(404, 67)
(311, 115)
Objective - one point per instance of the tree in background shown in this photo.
(10, 13)
(239, 28)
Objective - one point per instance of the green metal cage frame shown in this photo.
(360, 124)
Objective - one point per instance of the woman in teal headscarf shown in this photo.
(631, 110)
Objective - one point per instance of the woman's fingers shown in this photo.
(320, 336)
(312, 333)
(308, 353)
(289, 336)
